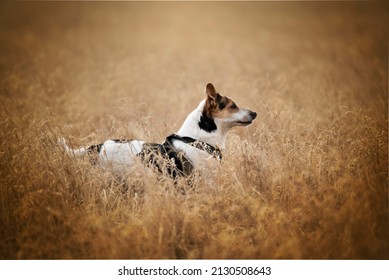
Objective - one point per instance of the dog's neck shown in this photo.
(191, 128)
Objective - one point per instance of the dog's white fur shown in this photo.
(116, 153)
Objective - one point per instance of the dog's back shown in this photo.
(165, 157)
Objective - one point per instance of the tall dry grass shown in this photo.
(307, 180)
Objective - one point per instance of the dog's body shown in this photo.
(201, 137)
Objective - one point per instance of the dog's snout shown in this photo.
(253, 115)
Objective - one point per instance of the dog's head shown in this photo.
(222, 111)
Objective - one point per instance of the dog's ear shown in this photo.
(211, 93)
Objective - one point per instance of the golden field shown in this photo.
(307, 180)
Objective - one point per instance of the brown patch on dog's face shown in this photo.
(217, 105)
(225, 108)
(222, 111)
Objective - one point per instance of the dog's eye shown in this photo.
(233, 106)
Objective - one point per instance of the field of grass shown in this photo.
(308, 179)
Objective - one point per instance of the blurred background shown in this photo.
(78, 59)
(308, 179)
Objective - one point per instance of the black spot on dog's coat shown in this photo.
(221, 102)
(95, 149)
(206, 123)
(121, 140)
(222, 105)
(93, 153)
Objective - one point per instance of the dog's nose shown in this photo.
(253, 115)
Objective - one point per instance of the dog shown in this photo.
(201, 137)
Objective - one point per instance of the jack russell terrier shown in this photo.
(202, 136)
